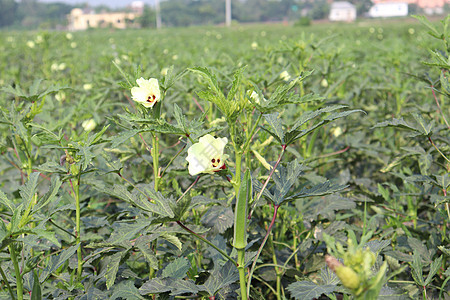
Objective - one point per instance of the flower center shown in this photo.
(151, 98)
(215, 162)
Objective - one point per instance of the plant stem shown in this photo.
(155, 156)
(19, 283)
(439, 107)
(269, 230)
(76, 191)
(7, 284)
(241, 269)
(442, 154)
(206, 241)
(277, 271)
(283, 149)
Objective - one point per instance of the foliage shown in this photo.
(337, 144)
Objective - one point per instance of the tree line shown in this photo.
(34, 14)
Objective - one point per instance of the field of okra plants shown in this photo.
(251, 162)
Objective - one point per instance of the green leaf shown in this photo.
(285, 178)
(44, 233)
(424, 21)
(5, 201)
(434, 268)
(183, 286)
(113, 267)
(176, 269)
(123, 136)
(56, 261)
(308, 290)
(236, 84)
(172, 239)
(416, 267)
(126, 290)
(28, 190)
(50, 195)
(277, 129)
(220, 278)
(148, 254)
(156, 286)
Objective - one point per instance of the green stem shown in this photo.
(19, 283)
(283, 149)
(435, 147)
(155, 156)
(269, 230)
(7, 283)
(241, 269)
(277, 271)
(76, 191)
(206, 241)
(249, 138)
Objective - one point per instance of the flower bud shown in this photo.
(348, 277)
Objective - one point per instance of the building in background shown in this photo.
(389, 9)
(342, 11)
(82, 19)
(430, 7)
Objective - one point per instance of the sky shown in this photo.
(110, 3)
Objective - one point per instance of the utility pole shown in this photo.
(228, 12)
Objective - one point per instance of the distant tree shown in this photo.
(7, 12)
(148, 18)
(320, 10)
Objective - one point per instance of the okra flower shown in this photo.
(207, 156)
(147, 93)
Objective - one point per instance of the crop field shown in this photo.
(261, 161)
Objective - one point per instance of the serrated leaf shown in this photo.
(416, 267)
(236, 83)
(113, 267)
(172, 239)
(424, 21)
(425, 129)
(50, 195)
(329, 278)
(126, 290)
(220, 218)
(277, 129)
(123, 136)
(220, 278)
(156, 286)
(308, 290)
(285, 178)
(149, 256)
(434, 268)
(5, 201)
(44, 233)
(176, 269)
(179, 116)
(183, 286)
(320, 189)
(56, 261)
(418, 247)
(28, 190)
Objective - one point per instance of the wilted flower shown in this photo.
(285, 76)
(207, 156)
(89, 125)
(147, 93)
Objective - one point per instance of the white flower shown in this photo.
(73, 45)
(207, 156)
(255, 97)
(285, 76)
(89, 125)
(30, 44)
(254, 45)
(324, 83)
(69, 36)
(147, 93)
(87, 86)
(164, 71)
